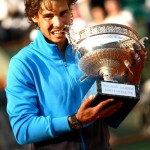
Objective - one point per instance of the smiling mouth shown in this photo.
(58, 32)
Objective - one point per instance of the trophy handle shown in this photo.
(142, 40)
(72, 36)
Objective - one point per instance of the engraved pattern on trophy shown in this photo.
(109, 29)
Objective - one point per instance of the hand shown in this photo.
(135, 70)
(87, 114)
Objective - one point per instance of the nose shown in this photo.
(57, 22)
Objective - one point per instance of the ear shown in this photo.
(35, 19)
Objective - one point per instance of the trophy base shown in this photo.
(128, 94)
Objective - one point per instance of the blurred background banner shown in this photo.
(16, 32)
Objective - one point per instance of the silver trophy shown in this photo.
(102, 50)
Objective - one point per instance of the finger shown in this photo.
(143, 55)
(88, 101)
(139, 50)
(139, 47)
(113, 108)
(136, 57)
(139, 58)
(104, 103)
(109, 110)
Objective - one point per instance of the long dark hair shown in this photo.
(32, 7)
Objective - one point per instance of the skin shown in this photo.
(135, 69)
(51, 22)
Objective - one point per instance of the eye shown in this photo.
(48, 16)
(64, 13)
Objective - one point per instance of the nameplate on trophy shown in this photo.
(118, 89)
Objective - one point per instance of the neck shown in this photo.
(62, 47)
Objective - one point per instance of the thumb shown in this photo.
(88, 101)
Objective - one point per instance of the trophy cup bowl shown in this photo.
(102, 50)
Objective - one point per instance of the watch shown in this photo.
(75, 123)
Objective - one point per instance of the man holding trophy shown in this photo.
(44, 87)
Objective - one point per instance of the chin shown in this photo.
(60, 40)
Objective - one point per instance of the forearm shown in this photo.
(32, 129)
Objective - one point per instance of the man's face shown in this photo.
(51, 20)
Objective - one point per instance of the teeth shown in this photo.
(57, 32)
